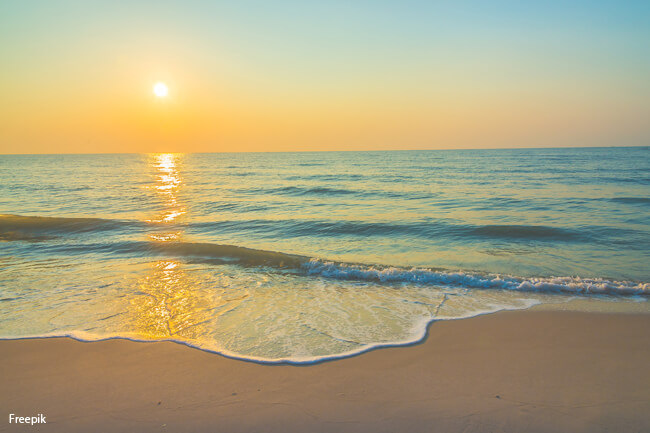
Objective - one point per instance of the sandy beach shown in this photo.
(530, 371)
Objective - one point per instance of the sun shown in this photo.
(160, 89)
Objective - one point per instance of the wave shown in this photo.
(302, 191)
(438, 229)
(631, 200)
(634, 180)
(574, 285)
(36, 228)
(14, 227)
(8, 236)
(197, 252)
(329, 177)
(37, 224)
(312, 228)
(527, 232)
(217, 254)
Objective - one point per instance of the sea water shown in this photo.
(299, 257)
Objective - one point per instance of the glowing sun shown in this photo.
(160, 89)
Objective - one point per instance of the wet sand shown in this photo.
(525, 371)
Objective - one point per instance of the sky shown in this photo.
(77, 76)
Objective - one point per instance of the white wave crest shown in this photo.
(575, 285)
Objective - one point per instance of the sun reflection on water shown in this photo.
(168, 303)
(166, 237)
(167, 187)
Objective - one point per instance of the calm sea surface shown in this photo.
(306, 256)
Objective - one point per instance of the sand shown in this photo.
(523, 371)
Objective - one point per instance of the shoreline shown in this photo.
(508, 371)
(581, 305)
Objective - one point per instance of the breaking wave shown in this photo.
(35, 229)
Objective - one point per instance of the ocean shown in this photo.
(302, 257)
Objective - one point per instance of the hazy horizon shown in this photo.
(331, 150)
(255, 77)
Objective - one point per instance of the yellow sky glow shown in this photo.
(174, 81)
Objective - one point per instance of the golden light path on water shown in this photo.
(168, 304)
(168, 184)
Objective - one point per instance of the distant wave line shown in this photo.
(17, 227)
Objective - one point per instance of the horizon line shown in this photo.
(323, 151)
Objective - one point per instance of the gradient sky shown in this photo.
(77, 76)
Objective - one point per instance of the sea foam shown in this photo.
(474, 280)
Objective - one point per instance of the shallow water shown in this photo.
(305, 256)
